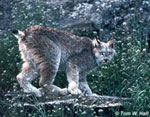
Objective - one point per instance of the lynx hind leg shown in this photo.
(48, 73)
(48, 69)
(27, 75)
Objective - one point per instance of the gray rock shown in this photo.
(109, 18)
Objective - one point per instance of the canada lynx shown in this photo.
(46, 50)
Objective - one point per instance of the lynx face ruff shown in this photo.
(46, 50)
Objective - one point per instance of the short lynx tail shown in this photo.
(18, 34)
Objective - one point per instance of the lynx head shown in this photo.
(103, 52)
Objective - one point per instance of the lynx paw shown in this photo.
(95, 95)
(92, 95)
(38, 93)
(35, 91)
(64, 91)
(73, 89)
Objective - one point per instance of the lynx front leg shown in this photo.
(73, 78)
(28, 74)
(83, 84)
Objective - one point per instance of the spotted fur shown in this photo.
(46, 50)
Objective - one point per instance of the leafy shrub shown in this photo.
(127, 76)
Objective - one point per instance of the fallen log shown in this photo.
(67, 105)
(82, 101)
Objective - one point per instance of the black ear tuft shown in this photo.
(148, 41)
(98, 41)
(112, 45)
(14, 31)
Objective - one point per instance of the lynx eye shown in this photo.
(102, 53)
(110, 53)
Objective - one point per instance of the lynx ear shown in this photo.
(111, 43)
(98, 41)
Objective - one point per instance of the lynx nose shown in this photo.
(106, 60)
